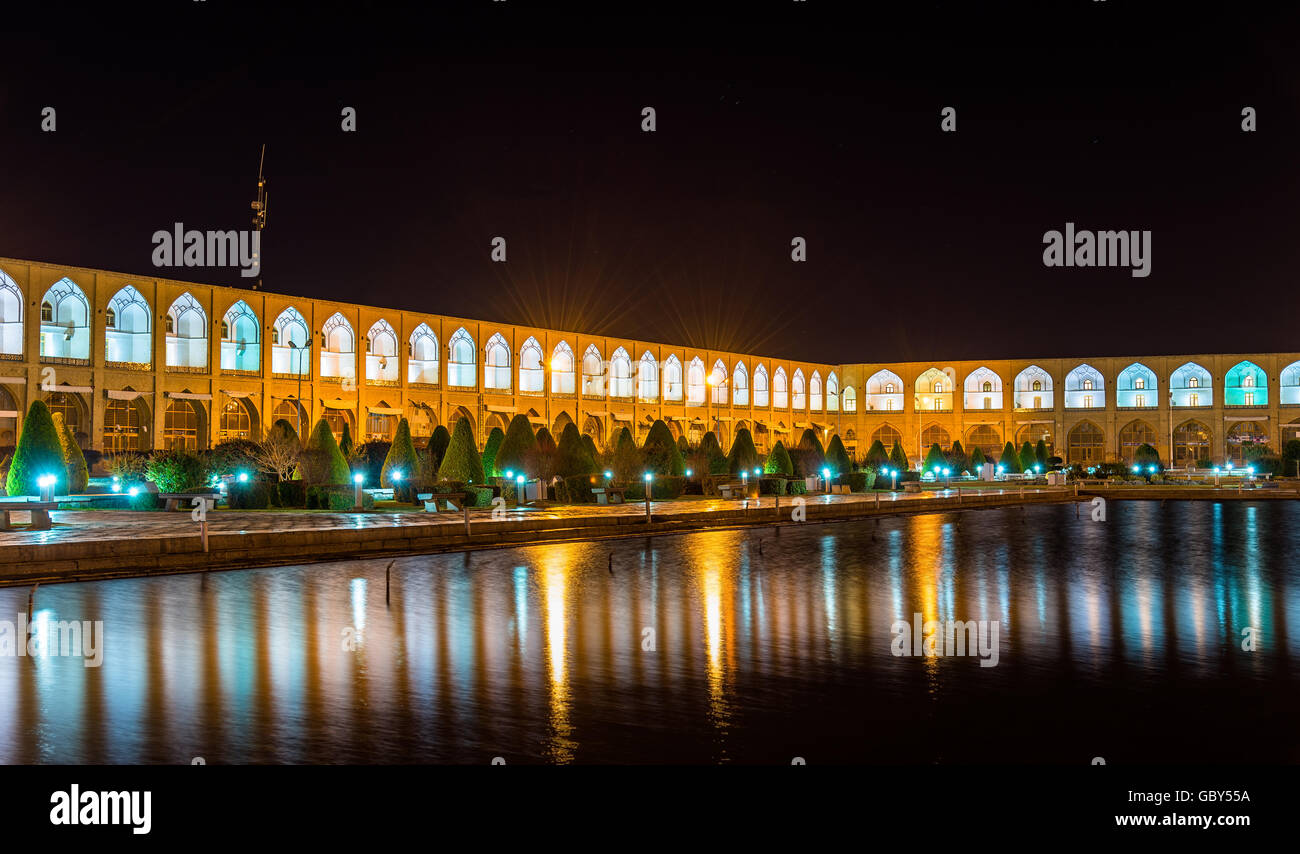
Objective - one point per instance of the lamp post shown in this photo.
(1216, 477)
(648, 479)
(46, 483)
(357, 480)
(396, 478)
(298, 351)
(519, 490)
(826, 480)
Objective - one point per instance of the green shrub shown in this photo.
(576, 489)
(291, 493)
(590, 444)
(1145, 455)
(401, 458)
(337, 498)
(462, 461)
(743, 455)
(771, 486)
(1010, 460)
(683, 446)
(877, 456)
(573, 458)
(1027, 458)
(76, 474)
(956, 457)
(518, 441)
(778, 462)
(287, 429)
(322, 462)
(663, 488)
(796, 487)
(934, 459)
(480, 496)
(976, 460)
(126, 466)
(230, 458)
(176, 471)
(627, 460)
(862, 481)
(898, 457)
(345, 441)
(1040, 454)
(251, 495)
(490, 448)
(711, 452)
(437, 447)
(39, 452)
(660, 454)
(837, 458)
(1290, 456)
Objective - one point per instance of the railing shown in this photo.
(422, 385)
(240, 372)
(185, 369)
(138, 367)
(11, 357)
(63, 360)
(1244, 406)
(384, 383)
(1136, 408)
(1034, 409)
(276, 376)
(523, 393)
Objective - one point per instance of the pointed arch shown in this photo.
(532, 374)
(695, 382)
(798, 390)
(422, 356)
(934, 391)
(982, 389)
(718, 383)
(1132, 436)
(1033, 389)
(935, 433)
(885, 392)
(832, 392)
(593, 372)
(128, 338)
(780, 389)
(1245, 384)
(1086, 442)
(1085, 388)
(620, 374)
(1137, 387)
(672, 379)
(1191, 385)
(647, 378)
(886, 434)
(1192, 441)
(496, 363)
(740, 385)
(289, 344)
(815, 400)
(762, 396)
(1289, 385)
(11, 317)
(985, 437)
(187, 334)
(562, 369)
(462, 360)
(382, 365)
(849, 399)
(338, 348)
(65, 322)
(241, 337)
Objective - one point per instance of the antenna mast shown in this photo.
(260, 205)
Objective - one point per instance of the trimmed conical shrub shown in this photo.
(778, 462)
(809, 455)
(877, 456)
(956, 457)
(324, 461)
(934, 459)
(1010, 460)
(285, 428)
(39, 452)
(490, 450)
(977, 459)
(1040, 453)
(1027, 458)
(1145, 455)
(627, 461)
(575, 459)
(660, 454)
(590, 444)
(438, 442)
(683, 446)
(898, 457)
(519, 440)
(345, 441)
(74, 460)
(712, 451)
(743, 456)
(401, 457)
(462, 461)
(837, 458)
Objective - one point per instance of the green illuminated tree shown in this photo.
(743, 456)
(39, 452)
(837, 458)
(519, 440)
(490, 449)
(778, 462)
(898, 458)
(462, 461)
(401, 458)
(1010, 460)
(660, 453)
(574, 458)
(877, 456)
(322, 460)
(78, 474)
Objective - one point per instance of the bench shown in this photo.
(455, 500)
(185, 500)
(733, 489)
(608, 494)
(39, 510)
(912, 487)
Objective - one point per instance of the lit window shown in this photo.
(889, 388)
(225, 330)
(1038, 385)
(1141, 399)
(170, 324)
(1250, 398)
(110, 319)
(988, 386)
(1194, 382)
(1087, 401)
(47, 313)
(889, 403)
(1087, 385)
(1194, 400)
(1140, 382)
(1248, 382)
(938, 388)
(275, 336)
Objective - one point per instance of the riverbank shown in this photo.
(85, 545)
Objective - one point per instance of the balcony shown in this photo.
(1028, 409)
(383, 383)
(11, 357)
(274, 376)
(64, 360)
(1245, 406)
(239, 372)
(422, 385)
(185, 369)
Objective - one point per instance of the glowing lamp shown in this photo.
(243, 477)
(519, 479)
(609, 475)
(134, 491)
(117, 487)
(397, 475)
(648, 477)
(688, 472)
(358, 478)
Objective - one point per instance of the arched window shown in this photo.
(237, 420)
(1191, 444)
(65, 322)
(183, 426)
(850, 399)
(761, 397)
(718, 383)
(986, 438)
(1085, 444)
(338, 348)
(695, 383)
(1245, 384)
(1135, 387)
(11, 317)
(593, 373)
(187, 334)
(462, 362)
(240, 339)
(933, 391)
(620, 374)
(496, 369)
(290, 345)
(832, 393)
(127, 339)
(887, 436)
(799, 395)
(983, 390)
(1132, 436)
(740, 385)
(1191, 385)
(815, 391)
(562, 373)
(1033, 389)
(884, 392)
(381, 354)
(933, 434)
(532, 376)
(672, 378)
(422, 353)
(647, 379)
(780, 390)
(124, 425)
(1084, 389)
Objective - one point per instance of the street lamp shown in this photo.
(826, 480)
(648, 478)
(946, 472)
(519, 490)
(1216, 477)
(46, 483)
(357, 480)
(893, 474)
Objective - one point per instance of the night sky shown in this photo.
(774, 120)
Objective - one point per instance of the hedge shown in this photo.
(661, 489)
(251, 495)
(337, 498)
(176, 471)
(796, 487)
(576, 489)
(862, 481)
(771, 486)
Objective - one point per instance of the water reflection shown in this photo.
(700, 648)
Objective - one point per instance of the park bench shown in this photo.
(608, 494)
(185, 500)
(39, 510)
(912, 487)
(455, 500)
(733, 489)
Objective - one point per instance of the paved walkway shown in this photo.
(82, 526)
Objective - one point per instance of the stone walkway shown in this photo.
(79, 526)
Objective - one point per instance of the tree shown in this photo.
(627, 462)
(39, 453)
(438, 443)
(837, 458)
(743, 456)
(660, 453)
(809, 456)
(519, 440)
(683, 446)
(977, 460)
(1010, 460)
(711, 451)
(1145, 455)
(542, 460)
(590, 444)
(401, 458)
(1291, 458)
(278, 452)
(462, 461)
(956, 457)
(490, 449)
(934, 459)
(284, 427)
(322, 460)
(574, 458)
(74, 460)
(345, 441)
(877, 456)
(1040, 453)
(898, 458)
(778, 462)
(1027, 458)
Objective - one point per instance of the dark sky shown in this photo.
(774, 120)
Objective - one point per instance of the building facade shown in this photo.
(139, 362)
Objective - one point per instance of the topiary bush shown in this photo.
(771, 486)
(401, 458)
(898, 457)
(77, 473)
(877, 456)
(576, 489)
(573, 458)
(744, 456)
(250, 495)
(711, 451)
(490, 448)
(176, 471)
(1010, 460)
(290, 493)
(439, 440)
(778, 462)
(518, 441)
(661, 489)
(462, 461)
(321, 461)
(862, 481)
(660, 454)
(837, 458)
(796, 487)
(627, 460)
(39, 452)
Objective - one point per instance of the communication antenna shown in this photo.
(260, 206)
